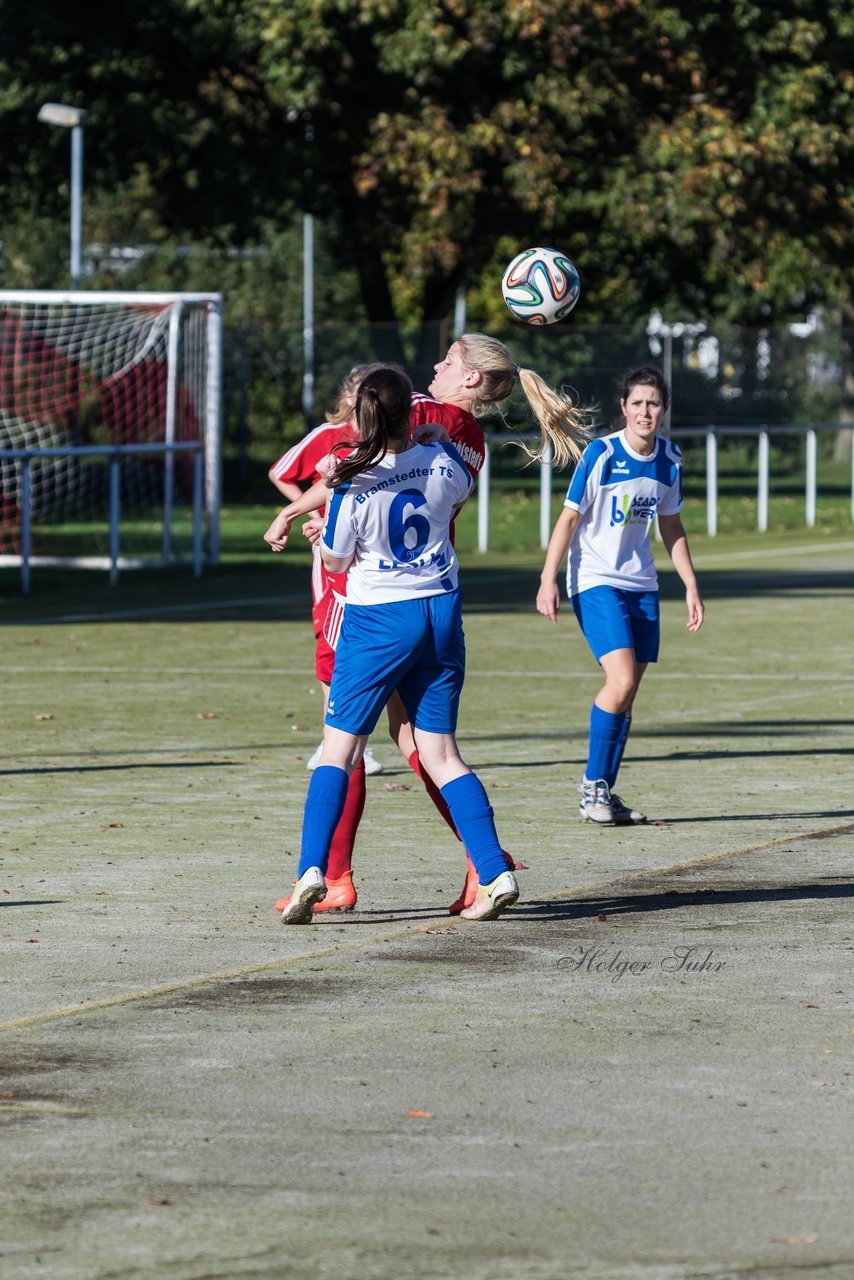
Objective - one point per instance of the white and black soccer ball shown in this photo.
(541, 286)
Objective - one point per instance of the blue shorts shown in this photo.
(614, 619)
(415, 646)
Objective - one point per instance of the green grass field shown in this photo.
(184, 1084)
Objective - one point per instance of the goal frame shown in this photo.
(207, 510)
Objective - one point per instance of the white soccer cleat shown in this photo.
(493, 898)
(310, 888)
(596, 803)
(314, 759)
(372, 765)
(624, 814)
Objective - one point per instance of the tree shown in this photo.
(690, 157)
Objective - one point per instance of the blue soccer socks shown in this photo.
(621, 747)
(324, 804)
(608, 732)
(472, 815)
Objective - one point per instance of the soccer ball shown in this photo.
(541, 286)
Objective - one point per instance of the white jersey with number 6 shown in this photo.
(396, 517)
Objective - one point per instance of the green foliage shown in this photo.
(692, 158)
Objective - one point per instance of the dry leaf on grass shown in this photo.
(395, 786)
(206, 715)
(44, 715)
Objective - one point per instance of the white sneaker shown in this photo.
(493, 898)
(372, 765)
(624, 814)
(314, 759)
(596, 804)
(310, 888)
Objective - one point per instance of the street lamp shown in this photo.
(307, 273)
(72, 118)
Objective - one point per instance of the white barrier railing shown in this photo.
(113, 561)
(712, 436)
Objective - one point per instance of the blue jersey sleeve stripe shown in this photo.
(332, 513)
(452, 452)
(578, 483)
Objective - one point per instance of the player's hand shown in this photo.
(548, 600)
(277, 534)
(429, 433)
(313, 529)
(326, 466)
(696, 610)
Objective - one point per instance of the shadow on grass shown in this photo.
(31, 902)
(260, 591)
(624, 905)
(680, 900)
(111, 768)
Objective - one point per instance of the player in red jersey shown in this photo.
(298, 467)
(476, 373)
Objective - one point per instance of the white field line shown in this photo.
(773, 553)
(476, 673)
(157, 611)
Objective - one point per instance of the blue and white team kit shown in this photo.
(402, 626)
(611, 578)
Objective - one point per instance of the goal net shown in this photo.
(85, 380)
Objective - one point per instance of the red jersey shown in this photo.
(299, 466)
(463, 427)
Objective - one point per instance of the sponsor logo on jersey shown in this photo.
(471, 457)
(626, 510)
(435, 557)
(438, 468)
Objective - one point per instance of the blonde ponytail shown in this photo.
(564, 425)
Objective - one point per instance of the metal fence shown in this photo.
(113, 561)
(712, 435)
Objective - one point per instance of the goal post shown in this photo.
(86, 380)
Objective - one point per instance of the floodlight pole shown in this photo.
(76, 205)
(308, 316)
(308, 293)
(72, 118)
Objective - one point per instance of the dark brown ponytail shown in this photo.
(383, 410)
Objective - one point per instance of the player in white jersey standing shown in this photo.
(388, 524)
(623, 482)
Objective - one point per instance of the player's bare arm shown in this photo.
(335, 564)
(292, 492)
(676, 545)
(548, 596)
(308, 502)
